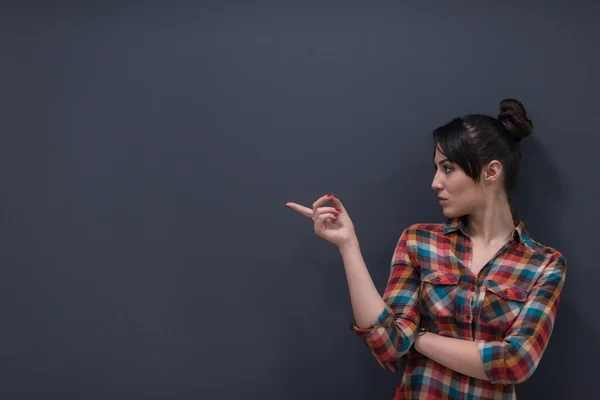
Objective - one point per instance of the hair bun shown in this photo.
(514, 117)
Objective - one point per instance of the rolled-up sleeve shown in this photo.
(393, 334)
(514, 359)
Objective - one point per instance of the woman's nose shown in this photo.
(436, 184)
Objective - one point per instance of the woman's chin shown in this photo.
(448, 212)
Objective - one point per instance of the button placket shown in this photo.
(471, 293)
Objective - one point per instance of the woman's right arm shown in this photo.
(367, 304)
(387, 324)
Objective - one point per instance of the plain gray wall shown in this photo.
(148, 151)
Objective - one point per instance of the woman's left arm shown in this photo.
(459, 355)
(514, 359)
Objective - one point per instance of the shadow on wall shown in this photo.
(538, 198)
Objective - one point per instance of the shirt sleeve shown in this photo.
(393, 334)
(514, 359)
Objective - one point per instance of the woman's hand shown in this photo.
(331, 223)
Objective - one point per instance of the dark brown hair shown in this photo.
(474, 140)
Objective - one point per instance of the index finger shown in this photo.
(307, 212)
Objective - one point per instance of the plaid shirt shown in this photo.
(509, 309)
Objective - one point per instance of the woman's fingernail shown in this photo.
(329, 194)
(338, 210)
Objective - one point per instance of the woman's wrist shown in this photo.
(418, 339)
(349, 245)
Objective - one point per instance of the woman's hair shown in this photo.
(474, 140)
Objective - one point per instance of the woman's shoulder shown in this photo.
(423, 231)
(430, 227)
(542, 250)
(449, 225)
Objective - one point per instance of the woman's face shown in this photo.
(458, 194)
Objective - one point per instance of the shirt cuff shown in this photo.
(385, 319)
(493, 358)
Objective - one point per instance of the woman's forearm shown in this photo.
(459, 355)
(367, 304)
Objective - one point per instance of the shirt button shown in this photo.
(468, 317)
(437, 277)
(505, 291)
(472, 288)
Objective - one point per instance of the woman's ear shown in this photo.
(492, 172)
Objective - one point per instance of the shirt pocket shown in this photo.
(502, 304)
(438, 290)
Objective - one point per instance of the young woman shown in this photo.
(471, 303)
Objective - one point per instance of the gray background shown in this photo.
(147, 153)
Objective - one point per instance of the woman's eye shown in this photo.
(448, 169)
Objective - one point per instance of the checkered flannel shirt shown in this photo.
(508, 309)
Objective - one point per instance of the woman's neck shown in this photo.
(491, 223)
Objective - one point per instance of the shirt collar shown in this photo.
(453, 225)
(458, 224)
